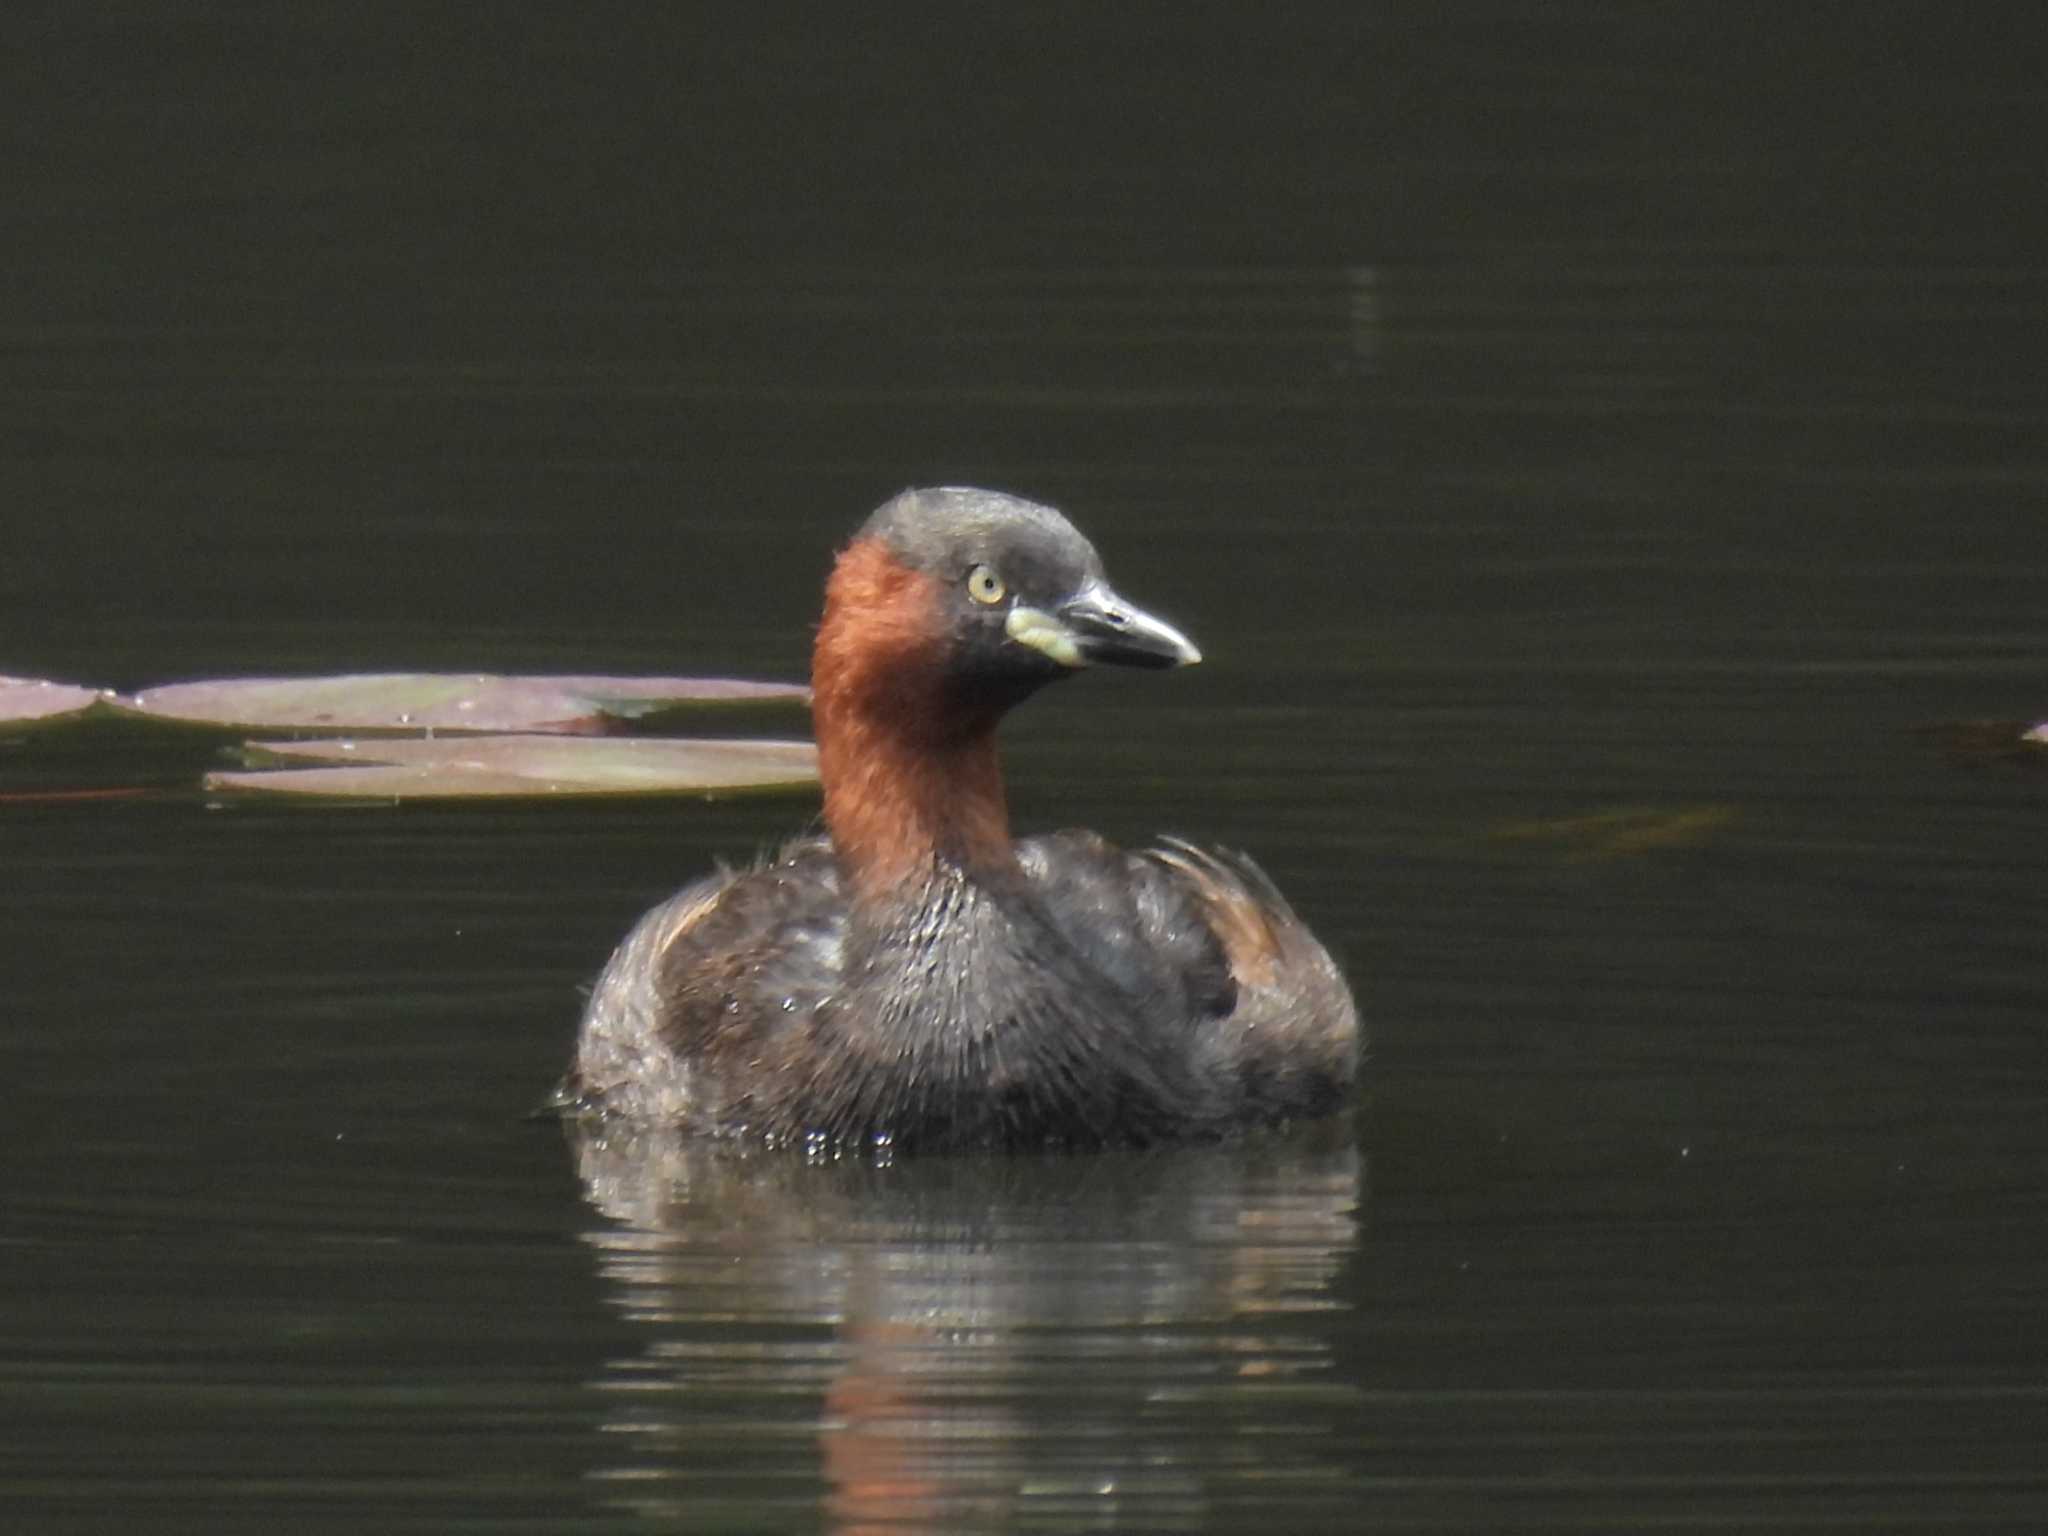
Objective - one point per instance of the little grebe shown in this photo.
(914, 978)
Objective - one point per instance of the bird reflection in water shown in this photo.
(953, 1342)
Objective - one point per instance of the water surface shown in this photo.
(1589, 451)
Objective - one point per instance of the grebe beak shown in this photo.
(1096, 625)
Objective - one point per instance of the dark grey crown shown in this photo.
(948, 530)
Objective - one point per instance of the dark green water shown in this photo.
(1589, 446)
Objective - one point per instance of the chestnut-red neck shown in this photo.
(909, 764)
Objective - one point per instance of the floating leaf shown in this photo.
(439, 701)
(27, 699)
(1623, 832)
(643, 698)
(402, 768)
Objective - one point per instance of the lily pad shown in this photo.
(26, 700)
(437, 701)
(1623, 832)
(467, 767)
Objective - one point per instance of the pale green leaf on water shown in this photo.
(650, 700)
(34, 700)
(514, 766)
(436, 701)
(1622, 832)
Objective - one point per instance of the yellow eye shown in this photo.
(984, 585)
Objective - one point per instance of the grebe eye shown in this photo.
(984, 585)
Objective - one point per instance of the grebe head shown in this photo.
(1019, 595)
(948, 607)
